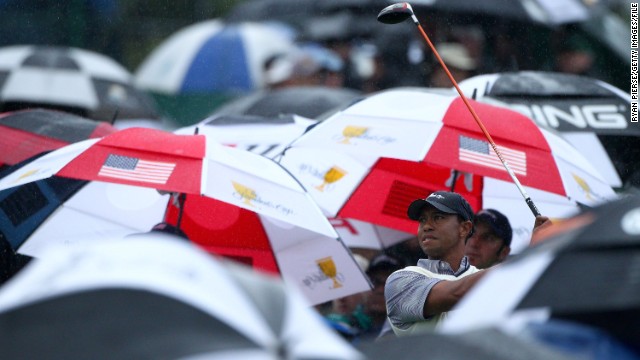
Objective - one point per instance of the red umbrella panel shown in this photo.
(187, 164)
(322, 267)
(26, 133)
(370, 160)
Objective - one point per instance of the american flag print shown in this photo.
(481, 153)
(130, 168)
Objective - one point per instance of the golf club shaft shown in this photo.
(526, 197)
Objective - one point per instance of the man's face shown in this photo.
(439, 232)
(484, 249)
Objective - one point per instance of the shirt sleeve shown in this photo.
(405, 293)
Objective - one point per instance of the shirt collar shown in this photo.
(443, 267)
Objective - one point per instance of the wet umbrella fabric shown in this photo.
(298, 255)
(155, 298)
(490, 343)
(370, 160)
(210, 57)
(270, 137)
(263, 135)
(72, 79)
(26, 133)
(592, 115)
(549, 13)
(306, 101)
(59, 210)
(186, 164)
(583, 271)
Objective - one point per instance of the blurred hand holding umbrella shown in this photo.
(158, 297)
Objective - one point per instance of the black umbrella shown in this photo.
(488, 343)
(307, 101)
(586, 270)
(154, 296)
(570, 104)
(299, 12)
(550, 13)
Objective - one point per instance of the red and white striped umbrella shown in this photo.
(298, 235)
(181, 164)
(369, 161)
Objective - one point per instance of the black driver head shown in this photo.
(395, 13)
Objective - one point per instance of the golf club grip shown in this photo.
(533, 207)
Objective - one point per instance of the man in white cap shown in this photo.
(418, 297)
(459, 62)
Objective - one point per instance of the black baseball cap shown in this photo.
(445, 201)
(498, 223)
(384, 262)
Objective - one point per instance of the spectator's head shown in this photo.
(491, 240)
(459, 62)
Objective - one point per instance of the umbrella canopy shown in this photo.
(591, 114)
(157, 299)
(372, 159)
(205, 64)
(583, 271)
(300, 13)
(212, 56)
(26, 133)
(270, 137)
(549, 13)
(267, 136)
(59, 210)
(182, 164)
(42, 204)
(490, 343)
(307, 101)
(72, 79)
(320, 266)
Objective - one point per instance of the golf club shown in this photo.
(399, 12)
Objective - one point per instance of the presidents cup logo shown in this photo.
(363, 133)
(331, 176)
(250, 198)
(589, 193)
(351, 131)
(328, 270)
(246, 194)
(29, 173)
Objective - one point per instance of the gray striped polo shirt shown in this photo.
(406, 291)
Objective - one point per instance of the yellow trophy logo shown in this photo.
(583, 184)
(28, 173)
(246, 193)
(332, 175)
(351, 131)
(328, 267)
